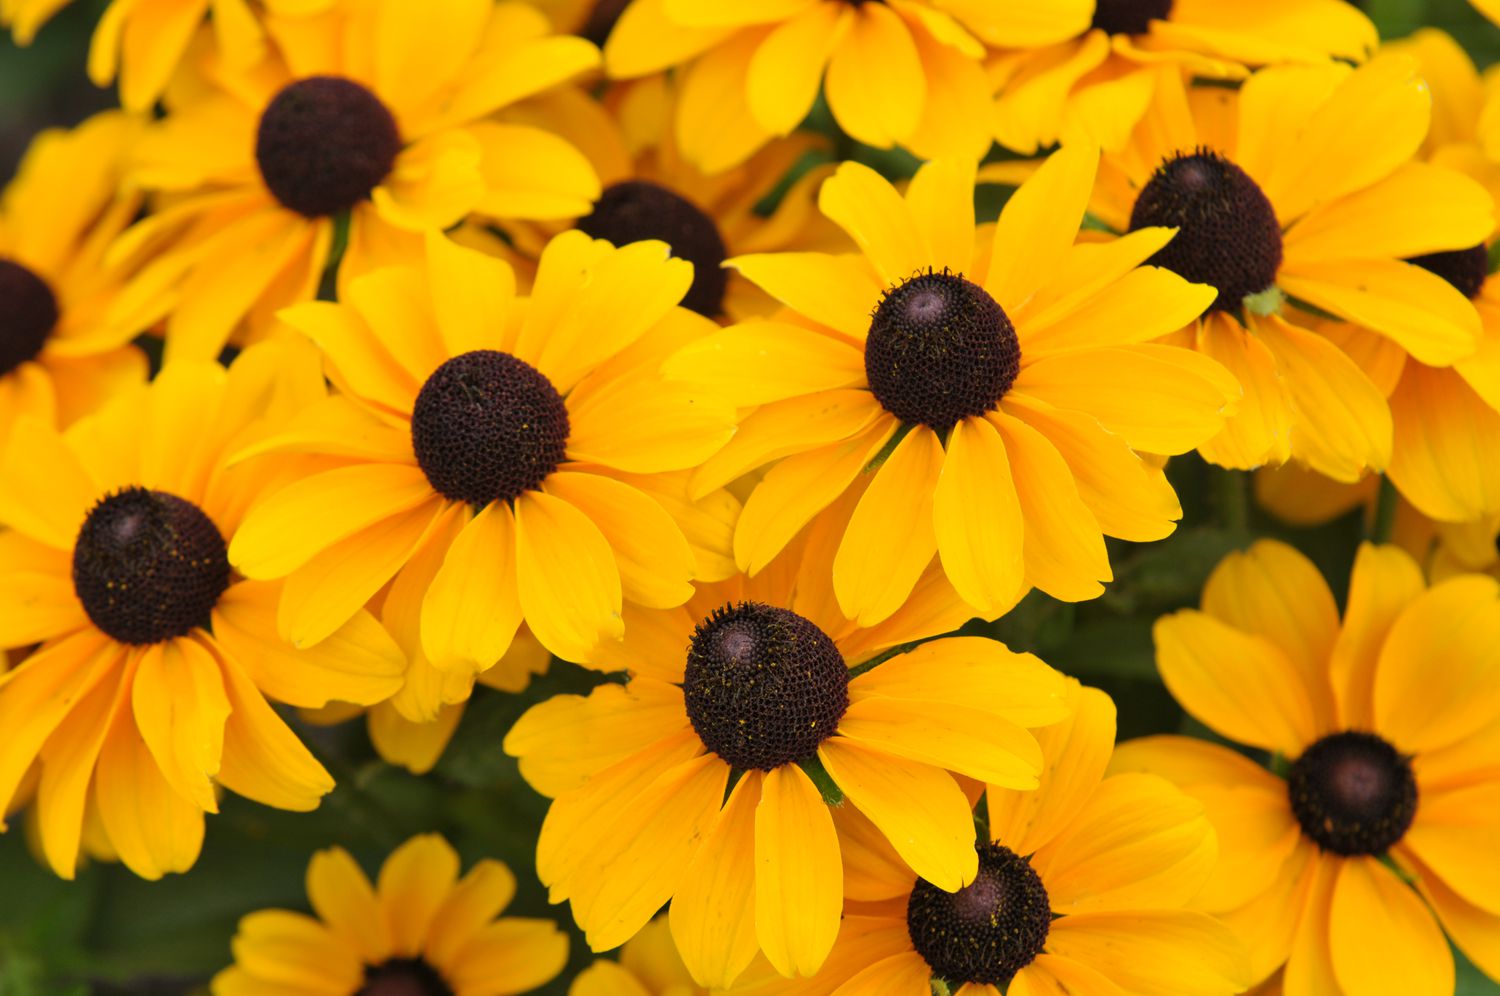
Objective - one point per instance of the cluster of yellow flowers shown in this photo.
(493, 332)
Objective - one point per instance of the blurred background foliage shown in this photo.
(111, 934)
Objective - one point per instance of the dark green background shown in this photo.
(111, 933)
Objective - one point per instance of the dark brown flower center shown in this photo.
(940, 349)
(635, 211)
(148, 566)
(1353, 793)
(1227, 233)
(1129, 17)
(404, 977)
(763, 686)
(486, 427)
(324, 143)
(28, 314)
(1465, 269)
(987, 931)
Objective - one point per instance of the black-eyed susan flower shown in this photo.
(1083, 887)
(1297, 186)
(649, 965)
(144, 43)
(690, 783)
(420, 930)
(907, 73)
(503, 459)
(148, 688)
(1087, 71)
(1376, 831)
(60, 357)
(380, 110)
(998, 389)
(652, 192)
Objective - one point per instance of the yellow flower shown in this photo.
(148, 689)
(1082, 888)
(502, 459)
(144, 43)
(775, 683)
(1297, 186)
(381, 109)
(419, 929)
(1388, 725)
(652, 192)
(1087, 71)
(903, 73)
(1006, 383)
(649, 965)
(59, 355)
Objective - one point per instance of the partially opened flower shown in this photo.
(60, 357)
(998, 390)
(502, 459)
(1083, 887)
(420, 930)
(148, 690)
(1375, 831)
(649, 965)
(378, 110)
(907, 73)
(1086, 70)
(1296, 187)
(703, 780)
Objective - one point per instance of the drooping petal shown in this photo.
(799, 882)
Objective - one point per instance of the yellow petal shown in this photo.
(263, 759)
(837, 291)
(978, 519)
(875, 85)
(1039, 224)
(799, 881)
(413, 883)
(472, 609)
(788, 66)
(1373, 910)
(180, 708)
(865, 205)
(570, 586)
(971, 741)
(49, 506)
(971, 671)
(345, 901)
(759, 362)
(1154, 950)
(713, 912)
(479, 897)
(1385, 580)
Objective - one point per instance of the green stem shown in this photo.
(1385, 512)
(1234, 500)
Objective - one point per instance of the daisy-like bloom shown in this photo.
(1293, 187)
(649, 965)
(782, 703)
(1087, 71)
(59, 356)
(144, 43)
(907, 72)
(420, 930)
(378, 109)
(502, 459)
(652, 192)
(1082, 889)
(1379, 823)
(148, 689)
(999, 388)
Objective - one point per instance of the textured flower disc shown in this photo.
(488, 427)
(1466, 269)
(404, 977)
(324, 143)
(635, 211)
(1353, 793)
(148, 566)
(1228, 236)
(763, 686)
(987, 931)
(940, 349)
(1129, 17)
(28, 313)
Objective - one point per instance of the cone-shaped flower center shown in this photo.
(1466, 269)
(1353, 793)
(28, 313)
(940, 349)
(487, 427)
(1129, 17)
(987, 931)
(404, 977)
(635, 211)
(324, 143)
(1227, 233)
(763, 686)
(148, 566)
